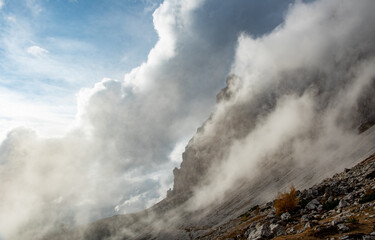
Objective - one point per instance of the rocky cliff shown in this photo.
(208, 147)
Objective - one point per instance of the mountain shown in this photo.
(180, 217)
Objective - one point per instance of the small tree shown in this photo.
(286, 202)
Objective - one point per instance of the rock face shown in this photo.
(240, 106)
(202, 150)
(209, 147)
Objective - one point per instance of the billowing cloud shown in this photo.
(34, 6)
(120, 154)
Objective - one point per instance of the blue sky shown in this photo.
(49, 50)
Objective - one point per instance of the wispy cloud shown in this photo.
(36, 51)
(34, 6)
(151, 5)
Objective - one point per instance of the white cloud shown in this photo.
(150, 5)
(36, 51)
(176, 154)
(34, 6)
(1, 4)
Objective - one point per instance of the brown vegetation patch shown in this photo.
(286, 202)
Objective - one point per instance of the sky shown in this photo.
(51, 49)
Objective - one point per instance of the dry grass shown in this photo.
(286, 202)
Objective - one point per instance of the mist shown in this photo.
(296, 75)
(289, 114)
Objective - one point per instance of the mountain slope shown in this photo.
(340, 206)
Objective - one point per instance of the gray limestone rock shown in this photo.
(285, 216)
(342, 228)
(305, 218)
(261, 231)
(277, 230)
(342, 204)
(312, 204)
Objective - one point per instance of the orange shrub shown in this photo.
(286, 202)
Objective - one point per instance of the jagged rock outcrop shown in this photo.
(211, 143)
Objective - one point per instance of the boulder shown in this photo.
(277, 230)
(285, 216)
(305, 218)
(342, 204)
(271, 215)
(261, 231)
(312, 204)
(307, 225)
(342, 228)
(320, 208)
